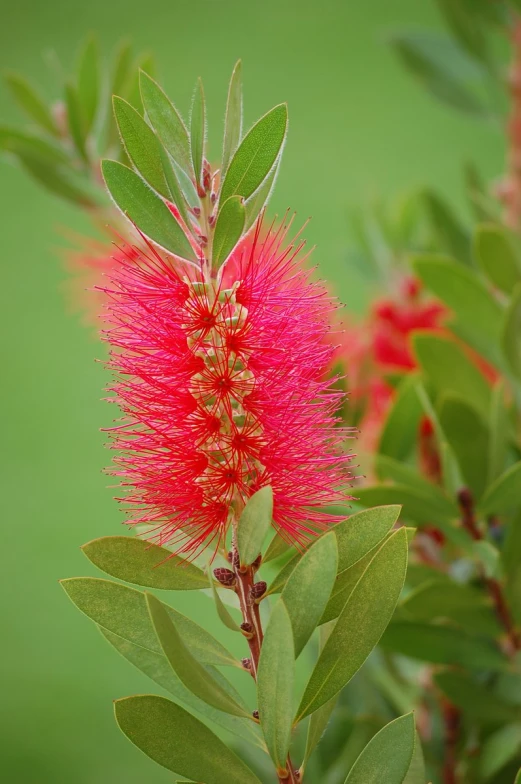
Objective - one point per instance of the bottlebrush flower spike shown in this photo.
(222, 382)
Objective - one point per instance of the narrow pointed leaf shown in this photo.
(446, 365)
(123, 611)
(498, 426)
(450, 236)
(142, 146)
(18, 142)
(416, 773)
(145, 209)
(368, 610)
(178, 741)
(275, 680)
(198, 131)
(166, 121)
(442, 645)
(256, 155)
(387, 756)
(260, 198)
(76, 120)
(478, 314)
(157, 667)
(222, 611)
(469, 438)
(499, 749)
(31, 102)
(60, 181)
(400, 472)
(400, 432)
(228, 229)
(498, 253)
(505, 494)
(144, 563)
(192, 674)
(318, 720)
(511, 332)
(476, 700)
(233, 117)
(145, 63)
(254, 524)
(308, 588)
(89, 80)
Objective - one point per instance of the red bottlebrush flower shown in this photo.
(223, 387)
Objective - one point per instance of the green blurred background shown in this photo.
(359, 129)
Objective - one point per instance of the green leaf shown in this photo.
(446, 365)
(387, 756)
(442, 68)
(442, 645)
(198, 131)
(476, 311)
(277, 547)
(178, 741)
(89, 80)
(343, 587)
(260, 198)
(121, 67)
(275, 679)
(255, 156)
(254, 524)
(505, 494)
(480, 202)
(228, 229)
(497, 251)
(24, 143)
(416, 773)
(498, 427)
(166, 121)
(145, 209)
(144, 563)
(475, 699)
(59, 180)
(222, 611)
(319, 720)
(463, 20)
(142, 146)
(449, 234)
(144, 63)
(361, 532)
(233, 117)
(156, 667)
(187, 668)
(400, 432)
(415, 508)
(76, 120)
(308, 588)
(399, 472)
(499, 749)
(469, 439)
(511, 332)
(123, 611)
(368, 610)
(31, 102)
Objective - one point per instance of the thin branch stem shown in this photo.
(252, 630)
(495, 589)
(451, 721)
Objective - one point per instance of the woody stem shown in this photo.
(494, 587)
(252, 629)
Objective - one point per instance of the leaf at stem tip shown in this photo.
(387, 756)
(233, 118)
(142, 146)
(166, 121)
(198, 131)
(228, 229)
(89, 80)
(256, 154)
(178, 741)
(498, 253)
(192, 674)
(275, 680)
(368, 609)
(76, 120)
(308, 588)
(144, 563)
(31, 102)
(254, 524)
(150, 214)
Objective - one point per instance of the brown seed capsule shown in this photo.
(255, 714)
(258, 590)
(247, 629)
(257, 562)
(224, 576)
(246, 663)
